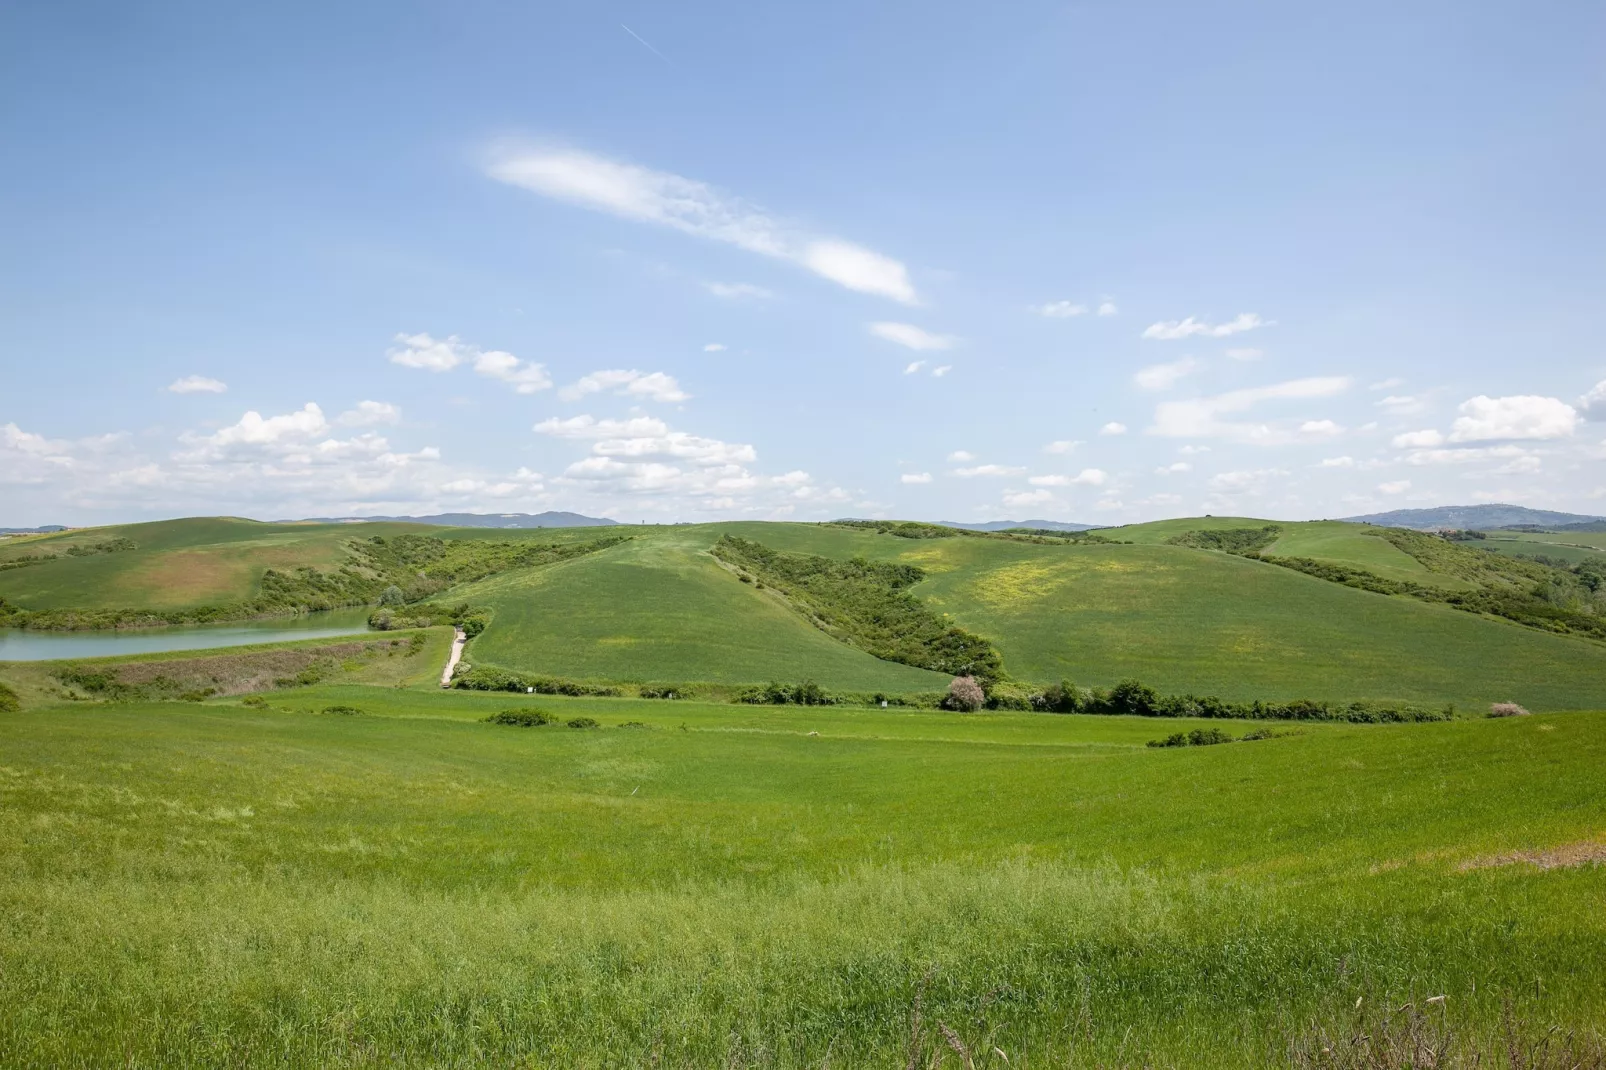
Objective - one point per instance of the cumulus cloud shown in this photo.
(1190, 327)
(443, 354)
(1400, 404)
(714, 347)
(1064, 445)
(913, 366)
(915, 477)
(1251, 481)
(1418, 439)
(735, 291)
(522, 376)
(1107, 308)
(692, 207)
(1527, 416)
(1060, 309)
(370, 414)
(1163, 376)
(1113, 428)
(197, 384)
(1087, 477)
(654, 386)
(1320, 428)
(431, 354)
(1337, 462)
(1174, 468)
(911, 337)
(986, 470)
(1465, 455)
(961, 456)
(1593, 404)
(941, 370)
(1016, 498)
(1398, 486)
(1205, 417)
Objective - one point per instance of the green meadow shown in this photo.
(713, 885)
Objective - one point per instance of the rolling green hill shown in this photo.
(660, 609)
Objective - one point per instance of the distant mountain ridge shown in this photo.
(1004, 525)
(550, 519)
(45, 530)
(1475, 518)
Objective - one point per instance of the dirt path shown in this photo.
(458, 639)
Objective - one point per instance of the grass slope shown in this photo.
(661, 609)
(205, 885)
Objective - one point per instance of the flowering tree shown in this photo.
(965, 694)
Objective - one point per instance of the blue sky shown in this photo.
(1098, 262)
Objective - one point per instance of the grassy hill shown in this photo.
(401, 884)
(661, 609)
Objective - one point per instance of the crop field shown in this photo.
(661, 609)
(703, 885)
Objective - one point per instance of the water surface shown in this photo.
(19, 645)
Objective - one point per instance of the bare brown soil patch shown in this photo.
(238, 674)
(1567, 856)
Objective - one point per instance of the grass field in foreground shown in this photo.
(204, 885)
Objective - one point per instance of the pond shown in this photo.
(19, 645)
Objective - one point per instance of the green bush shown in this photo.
(808, 693)
(342, 711)
(9, 703)
(583, 722)
(525, 718)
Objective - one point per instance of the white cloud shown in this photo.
(911, 337)
(1593, 404)
(732, 291)
(1418, 439)
(913, 366)
(1518, 466)
(1465, 455)
(1064, 445)
(1060, 309)
(1107, 308)
(1387, 384)
(253, 429)
(1484, 418)
(444, 354)
(1398, 486)
(1018, 498)
(1337, 462)
(961, 456)
(1202, 417)
(1189, 451)
(915, 477)
(436, 355)
(654, 386)
(941, 370)
(695, 208)
(523, 377)
(1173, 468)
(197, 384)
(1113, 428)
(591, 427)
(1175, 329)
(370, 414)
(988, 470)
(1400, 404)
(1087, 477)
(1163, 376)
(1320, 428)
(714, 347)
(1241, 353)
(1250, 481)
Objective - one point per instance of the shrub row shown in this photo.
(485, 678)
(1136, 699)
(808, 693)
(867, 604)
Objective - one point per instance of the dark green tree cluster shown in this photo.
(1136, 699)
(867, 604)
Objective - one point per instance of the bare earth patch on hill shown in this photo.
(1567, 856)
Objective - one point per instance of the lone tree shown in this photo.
(392, 596)
(964, 694)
